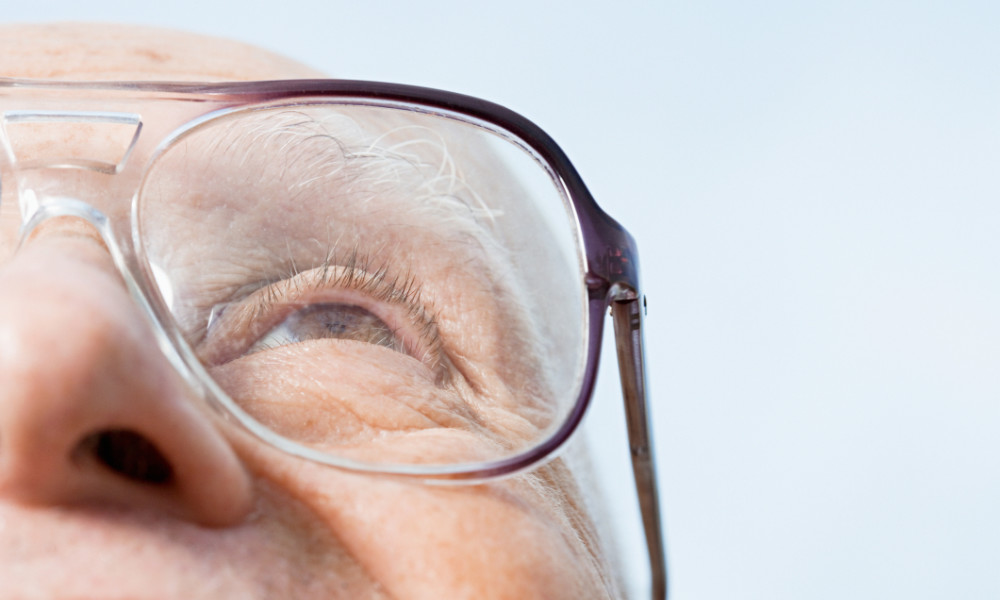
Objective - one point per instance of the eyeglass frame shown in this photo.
(611, 278)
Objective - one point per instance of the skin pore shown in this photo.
(239, 518)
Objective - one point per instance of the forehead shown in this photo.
(128, 52)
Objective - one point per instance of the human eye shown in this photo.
(347, 305)
(331, 320)
(344, 356)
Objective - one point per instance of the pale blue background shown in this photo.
(814, 189)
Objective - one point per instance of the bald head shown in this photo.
(130, 52)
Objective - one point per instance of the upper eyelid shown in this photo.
(355, 272)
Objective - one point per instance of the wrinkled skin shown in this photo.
(240, 519)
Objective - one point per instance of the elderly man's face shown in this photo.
(240, 519)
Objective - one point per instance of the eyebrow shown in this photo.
(408, 169)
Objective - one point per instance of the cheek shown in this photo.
(507, 539)
(490, 541)
(372, 404)
(359, 401)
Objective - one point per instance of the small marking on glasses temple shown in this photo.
(621, 292)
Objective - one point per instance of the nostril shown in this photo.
(130, 455)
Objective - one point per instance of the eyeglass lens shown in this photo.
(382, 284)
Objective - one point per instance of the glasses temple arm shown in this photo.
(626, 312)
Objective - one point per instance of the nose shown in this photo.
(91, 412)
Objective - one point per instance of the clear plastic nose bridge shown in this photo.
(46, 152)
(34, 213)
(45, 147)
(41, 145)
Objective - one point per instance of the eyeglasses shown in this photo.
(377, 277)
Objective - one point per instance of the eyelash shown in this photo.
(356, 273)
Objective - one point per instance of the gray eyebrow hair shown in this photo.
(411, 159)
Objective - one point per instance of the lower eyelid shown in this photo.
(355, 375)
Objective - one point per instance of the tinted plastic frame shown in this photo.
(612, 274)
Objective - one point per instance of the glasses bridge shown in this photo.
(95, 141)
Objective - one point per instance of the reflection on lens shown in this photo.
(379, 284)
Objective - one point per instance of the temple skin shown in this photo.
(242, 519)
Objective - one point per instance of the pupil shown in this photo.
(336, 328)
(342, 321)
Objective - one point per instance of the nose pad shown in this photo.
(35, 213)
(91, 410)
(70, 218)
